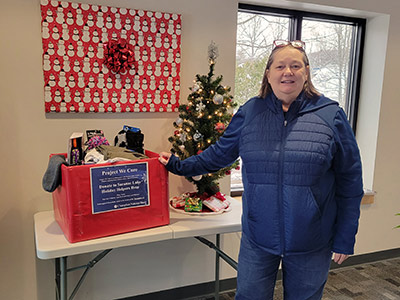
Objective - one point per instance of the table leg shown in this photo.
(217, 256)
(63, 278)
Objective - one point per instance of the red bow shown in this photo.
(118, 56)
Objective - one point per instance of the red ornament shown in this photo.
(176, 132)
(219, 127)
(198, 152)
(228, 173)
(118, 56)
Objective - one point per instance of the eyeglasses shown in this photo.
(295, 44)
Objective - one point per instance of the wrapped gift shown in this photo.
(216, 204)
(193, 204)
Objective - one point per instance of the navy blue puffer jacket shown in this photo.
(301, 174)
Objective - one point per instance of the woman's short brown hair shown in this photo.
(309, 89)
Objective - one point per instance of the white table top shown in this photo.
(51, 242)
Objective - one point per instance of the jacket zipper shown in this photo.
(280, 186)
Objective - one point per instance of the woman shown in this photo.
(301, 176)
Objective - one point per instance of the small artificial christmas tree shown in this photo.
(202, 121)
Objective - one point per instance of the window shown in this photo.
(334, 46)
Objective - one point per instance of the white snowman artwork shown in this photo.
(86, 65)
(170, 57)
(153, 25)
(148, 98)
(90, 20)
(66, 64)
(174, 42)
(117, 24)
(109, 24)
(124, 98)
(91, 83)
(77, 97)
(173, 97)
(56, 65)
(101, 107)
(157, 71)
(47, 93)
(85, 34)
(177, 85)
(144, 84)
(67, 95)
(149, 70)
(80, 52)
(45, 30)
(77, 67)
(173, 70)
(57, 96)
(70, 51)
(100, 20)
(157, 97)
(140, 97)
(152, 83)
(158, 42)
(60, 15)
(96, 67)
(75, 35)
(90, 52)
(70, 18)
(52, 80)
(136, 82)
(100, 51)
(128, 24)
(61, 48)
(46, 62)
(132, 97)
(114, 97)
(81, 107)
(79, 17)
(61, 79)
(71, 81)
(171, 27)
(127, 84)
(170, 86)
(153, 55)
(105, 99)
(81, 80)
(161, 85)
(95, 37)
(109, 83)
(165, 71)
(96, 97)
(86, 97)
(50, 49)
(100, 81)
(63, 107)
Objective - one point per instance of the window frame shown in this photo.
(357, 51)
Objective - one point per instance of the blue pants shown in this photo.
(304, 276)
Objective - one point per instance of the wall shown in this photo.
(29, 135)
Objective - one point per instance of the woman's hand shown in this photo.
(339, 258)
(164, 158)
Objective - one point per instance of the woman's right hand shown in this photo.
(164, 158)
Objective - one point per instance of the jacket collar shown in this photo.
(301, 105)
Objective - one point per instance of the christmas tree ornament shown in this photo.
(179, 121)
(200, 107)
(195, 87)
(197, 136)
(218, 99)
(219, 127)
(197, 178)
(183, 137)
